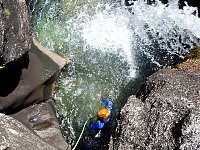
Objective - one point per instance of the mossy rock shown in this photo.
(194, 53)
(6, 12)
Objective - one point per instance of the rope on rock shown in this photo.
(81, 133)
(1, 67)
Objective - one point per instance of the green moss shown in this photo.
(6, 12)
(194, 53)
(42, 125)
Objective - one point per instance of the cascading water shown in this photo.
(109, 32)
(112, 49)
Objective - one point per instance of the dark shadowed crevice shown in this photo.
(10, 75)
(147, 88)
(177, 131)
(118, 131)
(2, 7)
(144, 91)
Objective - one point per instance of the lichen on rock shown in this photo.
(14, 135)
(194, 53)
(15, 30)
(191, 64)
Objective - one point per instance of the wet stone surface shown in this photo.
(165, 112)
(15, 30)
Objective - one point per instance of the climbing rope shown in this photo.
(1, 67)
(81, 133)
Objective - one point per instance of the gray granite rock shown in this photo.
(164, 114)
(15, 30)
(26, 84)
(28, 80)
(42, 120)
(15, 136)
(30, 101)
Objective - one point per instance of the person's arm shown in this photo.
(95, 126)
(99, 124)
(107, 103)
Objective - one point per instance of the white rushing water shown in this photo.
(150, 29)
(109, 45)
(158, 32)
(164, 28)
(109, 31)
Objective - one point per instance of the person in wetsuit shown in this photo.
(102, 125)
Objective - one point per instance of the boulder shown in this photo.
(41, 119)
(15, 136)
(26, 90)
(165, 113)
(29, 79)
(28, 71)
(15, 30)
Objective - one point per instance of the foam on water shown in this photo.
(145, 29)
(109, 32)
(167, 25)
(109, 42)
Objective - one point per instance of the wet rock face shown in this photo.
(15, 30)
(28, 2)
(14, 136)
(28, 80)
(164, 114)
(42, 121)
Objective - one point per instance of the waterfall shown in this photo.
(111, 46)
(110, 32)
